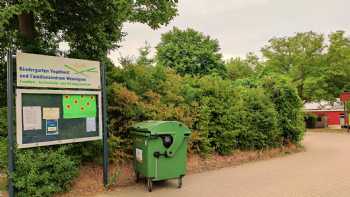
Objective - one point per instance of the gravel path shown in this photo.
(322, 171)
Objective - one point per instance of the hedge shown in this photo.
(224, 115)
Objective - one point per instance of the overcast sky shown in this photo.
(243, 26)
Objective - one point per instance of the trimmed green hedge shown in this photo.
(288, 106)
(224, 115)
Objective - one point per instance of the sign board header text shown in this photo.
(57, 72)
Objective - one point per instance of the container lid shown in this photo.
(161, 127)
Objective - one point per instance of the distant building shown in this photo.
(328, 114)
(345, 97)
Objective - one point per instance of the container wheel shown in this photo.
(179, 182)
(137, 179)
(149, 184)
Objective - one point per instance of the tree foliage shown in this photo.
(320, 71)
(238, 68)
(190, 52)
(91, 28)
(337, 74)
(299, 57)
(144, 53)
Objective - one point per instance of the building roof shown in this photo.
(324, 106)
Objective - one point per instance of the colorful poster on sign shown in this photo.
(51, 127)
(56, 72)
(79, 106)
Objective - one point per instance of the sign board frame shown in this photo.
(99, 86)
(19, 125)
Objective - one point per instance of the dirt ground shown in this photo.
(320, 171)
(328, 130)
(89, 182)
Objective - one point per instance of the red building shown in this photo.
(329, 114)
(345, 97)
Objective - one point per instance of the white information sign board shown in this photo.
(57, 72)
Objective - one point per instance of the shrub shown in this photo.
(43, 171)
(233, 115)
(3, 122)
(86, 151)
(288, 106)
(3, 153)
(223, 115)
(256, 120)
(217, 113)
(310, 120)
(156, 95)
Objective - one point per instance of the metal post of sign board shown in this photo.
(105, 130)
(10, 134)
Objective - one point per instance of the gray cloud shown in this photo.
(243, 26)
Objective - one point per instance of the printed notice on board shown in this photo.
(51, 127)
(90, 124)
(51, 113)
(32, 118)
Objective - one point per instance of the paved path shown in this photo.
(322, 171)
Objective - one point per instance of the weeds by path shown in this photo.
(3, 184)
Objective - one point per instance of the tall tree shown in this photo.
(334, 77)
(90, 27)
(337, 73)
(144, 53)
(299, 57)
(190, 52)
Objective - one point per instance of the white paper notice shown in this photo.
(32, 118)
(90, 124)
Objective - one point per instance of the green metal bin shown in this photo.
(160, 150)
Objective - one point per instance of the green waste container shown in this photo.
(160, 150)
